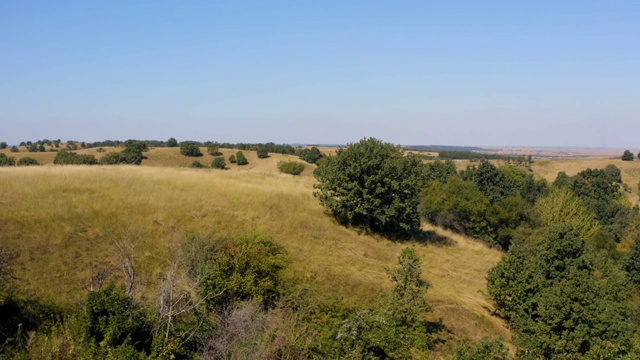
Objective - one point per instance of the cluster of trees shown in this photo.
(628, 156)
(132, 154)
(222, 297)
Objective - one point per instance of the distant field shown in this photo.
(63, 218)
(557, 152)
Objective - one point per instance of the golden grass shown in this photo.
(62, 218)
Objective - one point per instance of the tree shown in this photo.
(232, 159)
(262, 153)
(310, 155)
(240, 159)
(486, 349)
(371, 184)
(33, 148)
(218, 163)
(15, 149)
(213, 149)
(627, 156)
(3, 145)
(189, 148)
(41, 148)
(172, 142)
(6, 160)
(27, 161)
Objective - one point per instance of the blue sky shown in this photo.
(529, 73)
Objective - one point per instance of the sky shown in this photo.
(483, 73)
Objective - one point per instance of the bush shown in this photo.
(190, 148)
(15, 149)
(372, 184)
(237, 269)
(213, 149)
(486, 349)
(218, 163)
(70, 158)
(100, 150)
(3, 145)
(262, 153)
(290, 167)
(232, 159)
(6, 160)
(27, 161)
(112, 318)
(240, 159)
(198, 165)
(627, 156)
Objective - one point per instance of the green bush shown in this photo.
(100, 150)
(240, 159)
(232, 159)
(310, 155)
(262, 153)
(190, 148)
(6, 160)
(3, 145)
(213, 149)
(218, 163)
(70, 158)
(237, 269)
(198, 165)
(486, 349)
(27, 161)
(290, 167)
(627, 156)
(112, 319)
(15, 149)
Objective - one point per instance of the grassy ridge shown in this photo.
(63, 218)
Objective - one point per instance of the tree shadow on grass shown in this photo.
(424, 237)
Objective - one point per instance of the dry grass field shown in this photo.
(63, 219)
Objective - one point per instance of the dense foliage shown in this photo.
(241, 159)
(219, 163)
(190, 148)
(27, 161)
(310, 155)
(262, 153)
(7, 160)
(371, 184)
(291, 167)
(64, 157)
(627, 156)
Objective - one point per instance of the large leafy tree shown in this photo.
(371, 184)
(627, 156)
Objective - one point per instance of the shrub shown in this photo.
(486, 349)
(372, 184)
(15, 149)
(198, 165)
(290, 167)
(213, 149)
(110, 158)
(218, 163)
(190, 148)
(6, 160)
(112, 318)
(240, 159)
(27, 161)
(232, 159)
(70, 158)
(100, 150)
(262, 153)
(3, 145)
(33, 148)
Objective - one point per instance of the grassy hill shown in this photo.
(63, 219)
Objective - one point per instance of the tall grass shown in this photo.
(64, 219)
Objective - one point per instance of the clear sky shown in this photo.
(532, 73)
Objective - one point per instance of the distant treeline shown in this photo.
(467, 155)
(438, 148)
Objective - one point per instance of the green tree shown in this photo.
(213, 149)
(218, 163)
(627, 156)
(197, 165)
(3, 145)
(27, 161)
(172, 142)
(262, 153)
(232, 159)
(15, 149)
(6, 160)
(632, 263)
(190, 148)
(33, 148)
(440, 170)
(486, 349)
(311, 155)
(241, 159)
(371, 184)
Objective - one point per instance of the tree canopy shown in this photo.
(371, 184)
